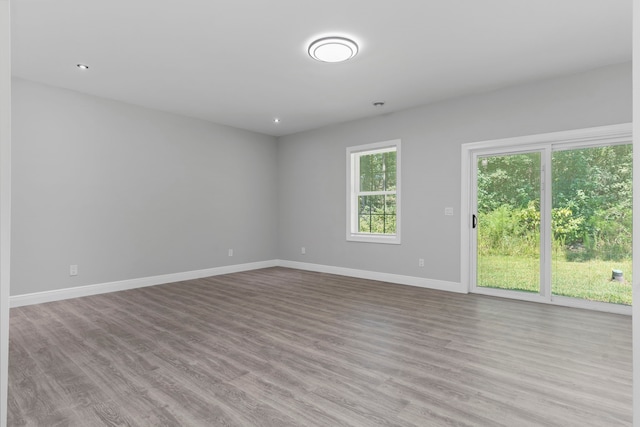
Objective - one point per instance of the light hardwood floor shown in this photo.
(282, 347)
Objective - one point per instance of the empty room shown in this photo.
(249, 213)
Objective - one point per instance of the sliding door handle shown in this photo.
(474, 221)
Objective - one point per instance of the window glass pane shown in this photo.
(377, 214)
(390, 204)
(591, 223)
(390, 214)
(378, 172)
(508, 239)
(390, 170)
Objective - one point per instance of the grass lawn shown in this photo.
(590, 280)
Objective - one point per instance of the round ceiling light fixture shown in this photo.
(333, 49)
(82, 66)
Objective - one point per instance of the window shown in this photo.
(373, 191)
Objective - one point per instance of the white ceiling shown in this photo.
(244, 62)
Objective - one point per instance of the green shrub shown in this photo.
(505, 231)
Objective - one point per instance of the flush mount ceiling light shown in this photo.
(333, 49)
(82, 66)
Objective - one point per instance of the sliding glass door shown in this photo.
(508, 221)
(553, 222)
(591, 223)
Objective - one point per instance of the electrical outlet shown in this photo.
(230, 252)
(420, 262)
(73, 270)
(448, 211)
(303, 250)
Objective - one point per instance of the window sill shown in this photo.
(374, 238)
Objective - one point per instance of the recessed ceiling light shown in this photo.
(276, 120)
(333, 49)
(82, 66)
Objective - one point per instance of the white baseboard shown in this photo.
(122, 285)
(374, 275)
(102, 288)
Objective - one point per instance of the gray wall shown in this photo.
(312, 169)
(126, 192)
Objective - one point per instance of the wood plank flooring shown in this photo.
(282, 347)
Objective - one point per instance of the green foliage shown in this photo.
(529, 217)
(505, 231)
(378, 171)
(498, 185)
(591, 203)
(377, 214)
(591, 178)
(611, 231)
(565, 226)
(377, 209)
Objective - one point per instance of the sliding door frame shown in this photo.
(544, 293)
(546, 143)
(5, 200)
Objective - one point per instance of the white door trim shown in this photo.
(5, 200)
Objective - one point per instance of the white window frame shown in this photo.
(353, 182)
